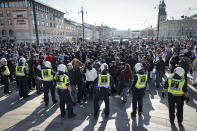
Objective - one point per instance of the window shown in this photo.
(6, 4)
(51, 24)
(42, 16)
(2, 22)
(47, 24)
(33, 22)
(2, 5)
(38, 23)
(11, 32)
(43, 23)
(46, 17)
(4, 32)
(8, 13)
(10, 4)
(37, 15)
(9, 22)
(32, 13)
(1, 13)
(54, 25)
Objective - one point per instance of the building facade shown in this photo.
(17, 22)
(185, 28)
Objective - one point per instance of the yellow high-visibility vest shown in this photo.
(62, 81)
(104, 81)
(20, 71)
(46, 75)
(175, 86)
(141, 82)
(7, 71)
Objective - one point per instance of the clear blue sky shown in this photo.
(123, 14)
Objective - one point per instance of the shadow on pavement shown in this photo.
(13, 102)
(66, 124)
(38, 116)
(138, 126)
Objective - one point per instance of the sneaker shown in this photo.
(71, 116)
(133, 114)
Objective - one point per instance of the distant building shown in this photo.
(176, 29)
(17, 23)
(148, 33)
(105, 33)
(122, 33)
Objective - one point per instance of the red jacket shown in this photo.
(49, 58)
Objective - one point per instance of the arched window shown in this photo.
(11, 32)
(4, 32)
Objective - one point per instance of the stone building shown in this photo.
(17, 23)
(185, 28)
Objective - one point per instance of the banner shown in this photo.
(20, 19)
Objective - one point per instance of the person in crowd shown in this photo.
(125, 81)
(64, 90)
(177, 92)
(138, 89)
(103, 84)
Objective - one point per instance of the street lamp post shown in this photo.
(35, 22)
(83, 28)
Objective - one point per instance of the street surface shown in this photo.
(30, 114)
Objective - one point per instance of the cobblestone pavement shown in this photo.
(30, 114)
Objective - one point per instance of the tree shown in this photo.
(193, 16)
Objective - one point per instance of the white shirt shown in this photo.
(91, 75)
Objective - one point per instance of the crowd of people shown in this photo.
(80, 70)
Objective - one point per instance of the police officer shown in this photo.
(138, 89)
(5, 72)
(103, 84)
(21, 78)
(177, 92)
(47, 78)
(64, 90)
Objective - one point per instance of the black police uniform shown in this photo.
(48, 85)
(102, 93)
(138, 95)
(5, 79)
(64, 96)
(21, 80)
(176, 100)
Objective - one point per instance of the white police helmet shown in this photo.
(62, 68)
(47, 64)
(103, 67)
(3, 61)
(22, 60)
(179, 71)
(138, 67)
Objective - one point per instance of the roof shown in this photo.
(47, 5)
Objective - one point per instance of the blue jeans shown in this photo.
(38, 83)
(74, 93)
(158, 78)
(125, 91)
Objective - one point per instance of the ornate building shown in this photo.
(175, 29)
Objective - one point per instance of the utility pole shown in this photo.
(83, 28)
(35, 22)
(158, 23)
